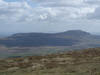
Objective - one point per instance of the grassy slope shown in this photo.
(85, 62)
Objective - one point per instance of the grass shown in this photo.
(84, 62)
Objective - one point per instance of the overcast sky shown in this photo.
(49, 15)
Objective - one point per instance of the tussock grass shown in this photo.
(84, 62)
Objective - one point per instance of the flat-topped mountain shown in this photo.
(67, 38)
(46, 43)
(67, 33)
(76, 33)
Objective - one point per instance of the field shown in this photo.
(84, 62)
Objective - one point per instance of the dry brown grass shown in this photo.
(85, 62)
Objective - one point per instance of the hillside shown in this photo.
(83, 62)
(67, 38)
(26, 44)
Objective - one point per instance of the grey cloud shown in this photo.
(93, 1)
(95, 15)
(61, 3)
(48, 15)
(68, 9)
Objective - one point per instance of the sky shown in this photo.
(49, 16)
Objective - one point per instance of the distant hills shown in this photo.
(23, 44)
(67, 38)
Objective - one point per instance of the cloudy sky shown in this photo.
(49, 15)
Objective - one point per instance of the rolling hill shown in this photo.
(68, 38)
(23, 44)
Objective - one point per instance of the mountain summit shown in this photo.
(76, 33)
(68, 38)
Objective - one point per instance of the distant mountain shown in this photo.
(75, 33)
(23, 44)
(67, 38)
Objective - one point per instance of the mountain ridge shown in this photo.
(45, 43)
(80, 32)
(44, 39)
